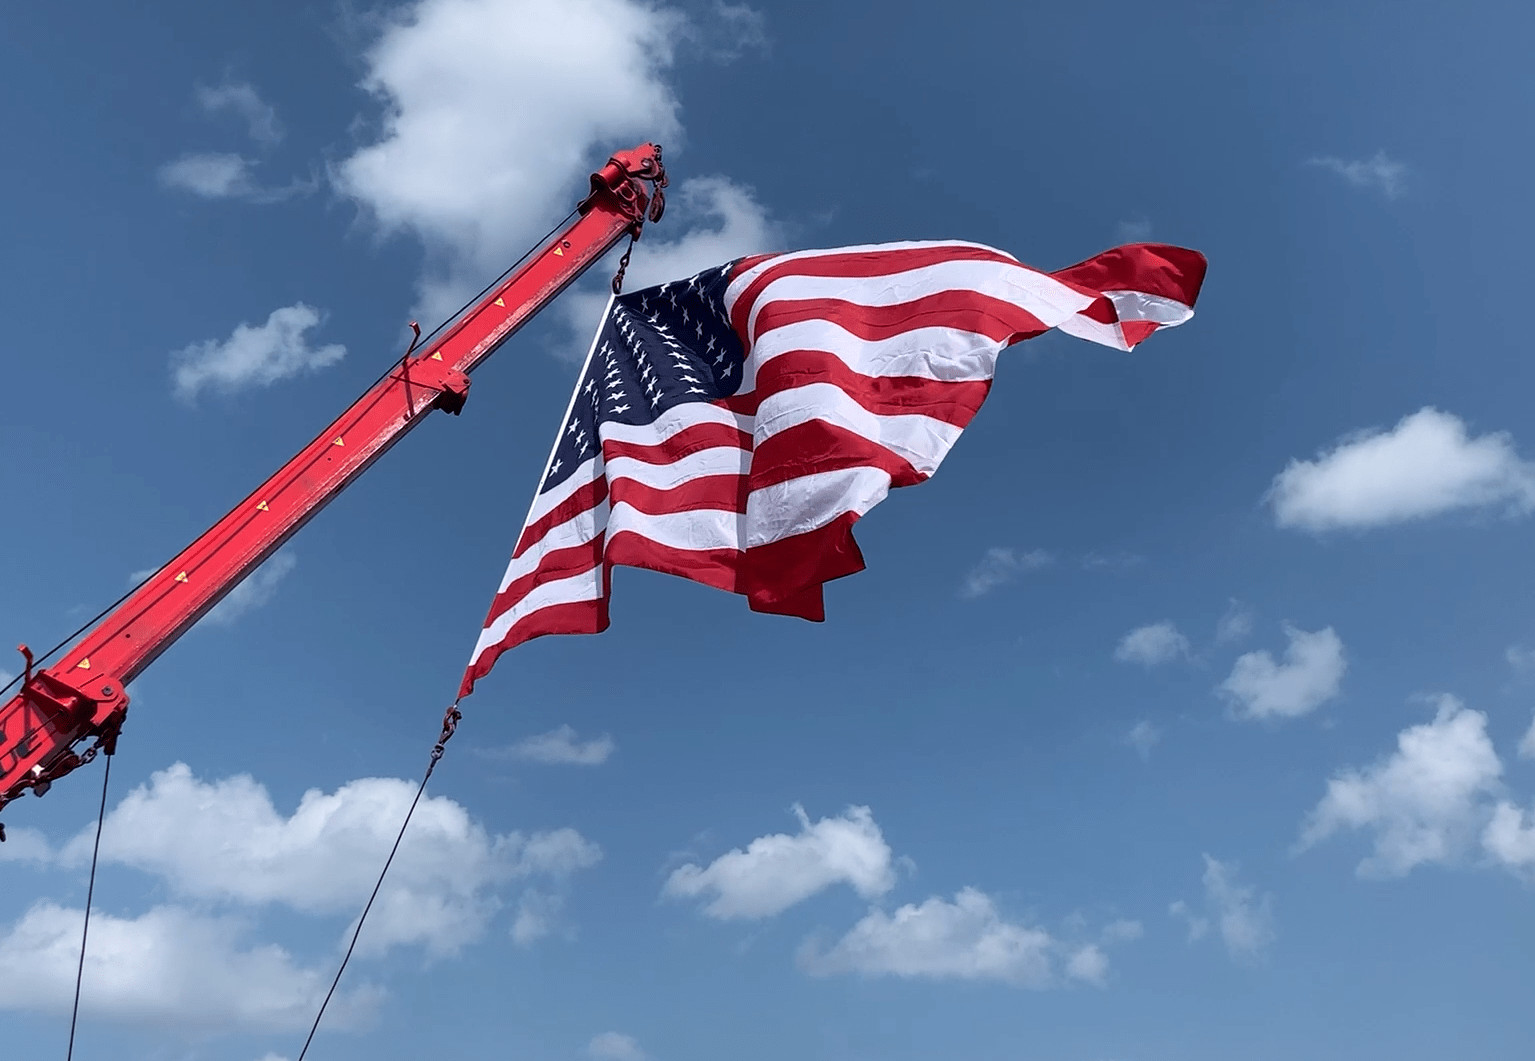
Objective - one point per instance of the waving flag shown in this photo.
(731, 428)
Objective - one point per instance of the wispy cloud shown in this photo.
(1135, 230)
(559, 747)
(614, 1046)
(999, 566)
(258, 588)
(1382, 173)
(1244, 918)
(1153, 644)
(254, 355)
(224, 175)
(1144, 736)
(241, 99)
(1425, 466)
(1236, 623)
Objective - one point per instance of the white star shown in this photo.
(555, 467)
(571, 430)
(695, 390)
(619, 408)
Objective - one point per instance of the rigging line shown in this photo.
(90, 894)
(449, 724)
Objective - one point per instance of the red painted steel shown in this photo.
(81, 696)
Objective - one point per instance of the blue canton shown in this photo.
(658, 348)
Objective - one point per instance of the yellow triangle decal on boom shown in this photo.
(337, 441)
(84, 664)
(501, 302)
(182, 577)
(436, 355)
(559, 252)
(261, 506)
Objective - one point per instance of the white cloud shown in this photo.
(1153, 644)
(612, 1046)
(241, 99)
(1424, 803)
(1508, 839)
(212, 175)
(1310, 675)
(999, 566)
(257, 589)
(967, 939)
(734, 30)
(1425, 466)
(25, 845)
(1244, 918)
(1134, 231)
(225, 841)
(1520, 658)
(538, 915)
(1236, 624)
(561, 747)
(1527, 743)
(477, 179)
(1378, 172)
(1143, 737)
(222, 175)
(777, 871)
(168, 966)
(254, 356)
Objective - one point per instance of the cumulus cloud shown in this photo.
(1153, 644)
(775, 872)
(560, 747)
(1236, 624)
(1520, 658)
(538, 915)
(254, 355)
(225, 841)
(1425, 466)
(1381, 173)
(613, 1046)
(999, 566)
(1143, 737)
(257, 589)
(241, 99)
(966, 939)
(477, 180)
(1309, 676)
(1424, 803)
(168, 966)
(1244, 918)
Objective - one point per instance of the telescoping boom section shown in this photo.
(45, 727)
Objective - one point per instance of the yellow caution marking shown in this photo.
(436, 355)
(84, 664)
(337, 441)
(261, 506)
(501, 303)
(559, 252)
(181, 577)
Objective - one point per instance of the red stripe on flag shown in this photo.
(817, 446)
(558, 564)
(971, 311)
(727, 493)
(719, 568)
(952, 402)
(1155, 268)
(785, 577)
(582, 499)
(858, 265)
(574, 617)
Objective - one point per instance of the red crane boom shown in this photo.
(81, 696)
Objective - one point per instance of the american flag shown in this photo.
(732, 427)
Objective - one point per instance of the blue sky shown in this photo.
(1186, 715)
